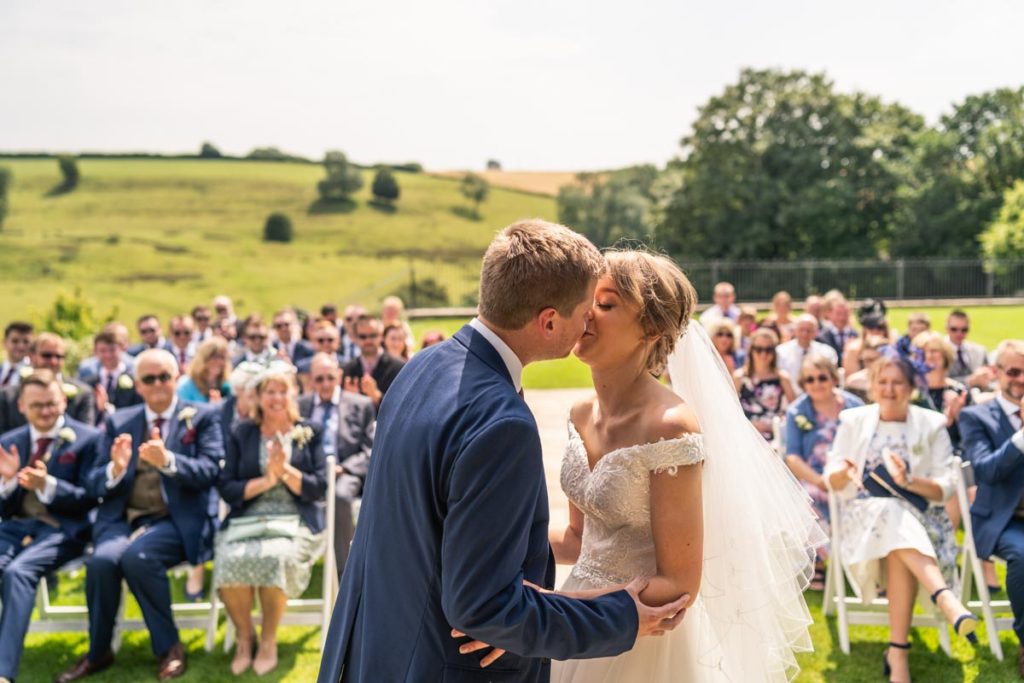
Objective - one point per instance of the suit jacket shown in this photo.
(454, 517)
(242, 463)
(197, 455)
(136, 349)
(385, 372)
(124, 394)
(81, 405)
(975, 356)
(356, 416)
(302, 349)
(830, 335)
(985, 433)
(89, 369)
(70, 463)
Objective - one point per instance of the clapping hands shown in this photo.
(121, 454)
(10, 462)
(33, 477)
(276, 461)
(153, 451)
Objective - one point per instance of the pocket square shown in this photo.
(188, 437)
(67, 458)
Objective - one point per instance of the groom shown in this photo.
(455, 511)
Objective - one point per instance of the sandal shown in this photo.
(965, 625)
(886, 668)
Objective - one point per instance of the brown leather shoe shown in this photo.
(173, 664)
(85, 667)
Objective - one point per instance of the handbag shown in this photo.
(880, 484)
(258, 527)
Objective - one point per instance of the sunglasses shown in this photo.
(812, 379)
(148, 330)
(281, 326)
(365, 337)
(320, 379)
(50, 355)
(201, 318)
(763, 349)
(724, 333)
(150, 380)
(256, 337)
(1012, 373)
(959, 330)
(182, 333)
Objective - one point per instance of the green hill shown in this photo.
(162, 235)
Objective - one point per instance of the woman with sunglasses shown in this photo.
(811, 423)
(725, 338)
(764, 389)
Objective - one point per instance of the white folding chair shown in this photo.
(312, 611)
(778, 435)
(972, 572)
(850, 609)
(59, 618)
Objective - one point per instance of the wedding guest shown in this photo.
(745, 325)
(373, 372)
(791, 354)
(725, 339)
(225, 311)
(288, 341)
(151, 334)
(763, 388)
(255, 336)
(993, 440)
(112, 383)
(910, 446)
(47, 352)
(346, 422)
(858, 383)
(782, 307)
(814, 306)
(44, 506)
(871, 315)
(201, 316)
(836, 330)
(238, 406)
(154, 472)
(349, 346)
(918, 322)
(811, 423)
(946, 394)
(431, 337)
(968, 358)
(396, 342)
(207, 378)
(89, 368)
(325, 340)
(724, 306)
(392, 312)
(274, 466)
(182, 346)
(17, 338)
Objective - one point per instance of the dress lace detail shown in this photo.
(615, 497)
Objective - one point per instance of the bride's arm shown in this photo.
(677, 522)
(566, 543)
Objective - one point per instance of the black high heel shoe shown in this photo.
(965, 625)
(886, 669)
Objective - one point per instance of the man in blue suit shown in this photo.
(455, 511)
(155, 469)
(43, 504)
(994, 442)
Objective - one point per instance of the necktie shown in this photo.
(42, 445)
(325, 411)
(110, 384)
(158, 424)
(960, 357)
(8, 376)
(181, 359)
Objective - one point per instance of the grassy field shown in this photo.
(164, 235)
(538, 182)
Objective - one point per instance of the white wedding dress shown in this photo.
(760, 536)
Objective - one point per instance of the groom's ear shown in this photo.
(546, 321)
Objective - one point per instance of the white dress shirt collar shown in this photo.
(335, 398)
(1011, 409)
(51, 434)
(512, 362)
(167, 415)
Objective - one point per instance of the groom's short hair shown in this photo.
(532, 265)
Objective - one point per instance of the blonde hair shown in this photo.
(930, 339)
(532, 265)
(885, 361)
(762, 333)
(1009, 346)
(818, 362)
(662, 295)
(214, 346)
(720, 324)
(281, 377)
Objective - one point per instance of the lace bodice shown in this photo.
(615, 499)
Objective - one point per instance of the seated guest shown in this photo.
(326, 339)
(348, 347)
(207, 378)
(745, 325)
(392, 312)
(431, 337)
(910, 446)
(201, 316)
(946, 394)
(288, 342)
(764, 389)
(782, 307)
(154, 473)
(836, 330)
(238, 405)
(724, 306)
(150, 333)
(112, 383)
(396, 342)
(872, 318)
(274, 467)
(993, 440)
(182, 345)
(224, 310)
(346, 421)
(375, 369)
(89, 368)
(47, 352)
(811, 423)
(724, 337)
(43, 504)
(857, 383)
(803, 344)
(255, 336)
(17, 339)
(918, 322)
(814, 306)
(969, 359)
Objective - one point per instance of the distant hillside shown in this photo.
(537, 182)
(162, 235)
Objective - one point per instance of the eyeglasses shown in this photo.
(324, 340)
(762, 349)
(1012, 373)
(724, 333)
(182, 333)
(255, 337)
(281, 326)
(150, 380)
(148, 330)
(350, 318)
(320, 379)
(201, 318)
(51, 355)
(812, 379)
(959, 330)
(36, 407)
(365, 337)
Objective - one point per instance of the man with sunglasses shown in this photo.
(43, 503)
(349, 348)
(151, 334)
(182, 345)
(968, 356)
(993, 440)
(156, 466)
(256, 338)
(203, 330)
(346, 421)
(47, 352)
(372, 373)
(288, 343)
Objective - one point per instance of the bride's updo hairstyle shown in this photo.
(662, 294)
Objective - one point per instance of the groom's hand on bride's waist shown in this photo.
(656, 621)
(475, 646)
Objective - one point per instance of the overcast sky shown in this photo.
(552, 84)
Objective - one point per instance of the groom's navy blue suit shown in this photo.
(454, 518)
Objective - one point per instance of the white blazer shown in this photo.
(931, 452)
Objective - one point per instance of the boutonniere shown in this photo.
(67, 435)
(25, 371)
(70, 390)
(301, 434)
(125, 383)
(918, 449)
(185, 415)
(804, 423)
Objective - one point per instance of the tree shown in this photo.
(608, 207)
(475, 189)
(1004, 239)
(208, 151)
(385, 187)
(493, 165)
(343, 179)
(69, 173)
(5, 186)
(425, 293)
(278, 228)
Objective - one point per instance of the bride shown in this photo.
(675, 485)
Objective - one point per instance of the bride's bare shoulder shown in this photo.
(674, 418)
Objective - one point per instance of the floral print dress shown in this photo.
(762, 400)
